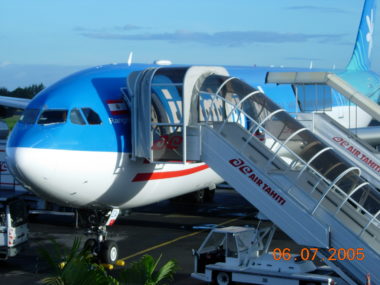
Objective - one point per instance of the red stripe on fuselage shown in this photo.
(169, 174)
(119, 112)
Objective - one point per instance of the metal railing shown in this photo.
(332, 187)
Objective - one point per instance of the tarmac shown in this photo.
(170, 229)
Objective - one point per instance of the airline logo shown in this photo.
(117, 107)
(248, 172)
(369, 36)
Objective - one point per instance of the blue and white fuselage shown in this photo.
(73, 144)
(84, 161)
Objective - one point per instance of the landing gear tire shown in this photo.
(109, 252)
(96, 222)
(90, 245)
(223, 278)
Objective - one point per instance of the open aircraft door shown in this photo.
(161, 100)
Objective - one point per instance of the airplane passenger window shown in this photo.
(29, 116)
(76, 117)
(91, 116)
(53, 117)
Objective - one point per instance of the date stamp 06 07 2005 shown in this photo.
(311, 254)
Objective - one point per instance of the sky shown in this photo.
(44, 40)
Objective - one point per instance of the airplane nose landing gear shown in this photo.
(96, 222)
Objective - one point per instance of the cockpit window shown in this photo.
(29, 116)
(76, 117)
(91, 116)
(53, 117)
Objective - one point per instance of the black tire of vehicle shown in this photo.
(89, 245)
(109, 252)
(223, 278)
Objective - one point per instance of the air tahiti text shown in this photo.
(123, 121)
(248, 171)
(356, 152)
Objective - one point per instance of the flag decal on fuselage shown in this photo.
(117, 107)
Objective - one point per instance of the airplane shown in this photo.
(74, 144)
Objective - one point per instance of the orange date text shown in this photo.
(312, 252)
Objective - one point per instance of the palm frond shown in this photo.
(143, 271)
(131, 276)
(138, 272)
(79, 267)
(166, 272)
(154, 266)
(148, 265)
(75, 249)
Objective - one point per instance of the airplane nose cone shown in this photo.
(35, 169)
(24, 164)
(33, 166)
(12, 159)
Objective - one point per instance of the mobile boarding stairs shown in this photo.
(305, 187)
(315, 92)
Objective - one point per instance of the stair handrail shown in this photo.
(285, 142)
(314, 171)
(218, 90)
(260, 125)
(269, 134)
(370, 222)
(313, 158)
(331, 186)
(352, 192)
(249, 95)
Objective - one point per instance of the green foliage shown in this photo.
(144, 272)
(11, 121)
(77, 266)
(74, 266)
(4, 92)
(27, 92)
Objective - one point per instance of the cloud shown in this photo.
(316, 8)
(124, 28)
(5, 63)
(128, 27)
(83, 29)
(230, 38)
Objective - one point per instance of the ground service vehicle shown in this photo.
(240, 254)
(14, 232)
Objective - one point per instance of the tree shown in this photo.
(79, 266)
(143, 272)
(31, 91)
(4, 91)
(27, 92)
(74, 266)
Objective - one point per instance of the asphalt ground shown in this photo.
(170, 229)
